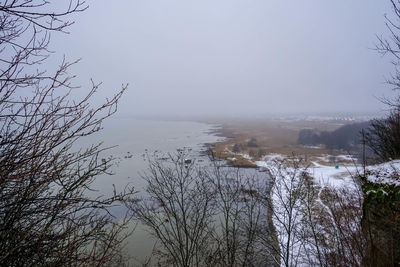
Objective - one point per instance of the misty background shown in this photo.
(231, 57)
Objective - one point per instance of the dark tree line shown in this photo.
(346, 137)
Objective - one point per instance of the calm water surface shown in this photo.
(135, 138)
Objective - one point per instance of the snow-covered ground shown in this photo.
(288, 211)
(270, 157)
(341, 176)
(385, 173)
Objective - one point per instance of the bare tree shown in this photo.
(242, 217)
(344, 239)
(255, 223)
(205, 214)
(227, 184)
(285, 205)
(226, 217)
(383, 136)
(46, 215)
(331, 222)
(390, 45)
(316, 225)
(179, 211)
(314, 221)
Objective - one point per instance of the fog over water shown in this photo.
(229, 57)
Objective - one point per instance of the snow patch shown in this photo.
(246, 156)
(385, 173)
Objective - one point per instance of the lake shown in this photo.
(134, 138)
(131, 141)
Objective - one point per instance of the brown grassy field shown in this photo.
(269, 137)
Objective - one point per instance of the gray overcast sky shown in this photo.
(232, 56)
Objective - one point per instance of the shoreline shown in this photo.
(247, 141)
